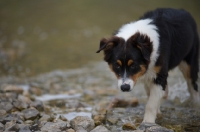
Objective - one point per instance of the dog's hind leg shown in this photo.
(190, 68)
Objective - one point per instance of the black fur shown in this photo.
(178, 41)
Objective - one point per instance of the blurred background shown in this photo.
(41, 36)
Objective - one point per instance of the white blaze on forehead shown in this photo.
(122, 81)
(147, 28)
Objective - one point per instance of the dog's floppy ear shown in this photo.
(108, 44)
(142, 42)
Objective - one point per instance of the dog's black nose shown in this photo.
(125, 87)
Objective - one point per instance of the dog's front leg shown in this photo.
(153, 103)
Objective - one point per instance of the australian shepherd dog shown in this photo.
(147, 49)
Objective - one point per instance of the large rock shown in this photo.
(82, 122)
(100, 129)
(30, 113)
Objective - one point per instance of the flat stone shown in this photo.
(30, 113)
(82, 122)
(100, 129)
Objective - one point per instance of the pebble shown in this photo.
(82, 122)
(128, 126)
(100, 129)
(50, 126)
(20, 104)
(30, 113)
(13, 88)
(7, 106)
(2, 112)
(38, 105)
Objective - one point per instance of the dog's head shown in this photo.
(129, 59)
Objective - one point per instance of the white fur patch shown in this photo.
(144, 27)
(153, 104)
(126, 81)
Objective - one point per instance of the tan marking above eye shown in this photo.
(119, 62)
(139, 74)
(130, 62)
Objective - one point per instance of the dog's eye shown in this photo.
(117, 66)
(133, 66)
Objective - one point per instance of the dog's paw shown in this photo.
(152, 127)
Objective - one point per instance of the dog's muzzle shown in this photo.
(125, 85)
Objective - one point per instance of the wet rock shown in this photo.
(1, 126)
(82, 122)
(38, 105)
(100, 129)
(13, 88)
(30, 113)
(7, 106)
(11, 126)
(128, 126)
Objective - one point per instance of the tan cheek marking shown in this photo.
(111, 68)
(130, 62)
(139, 74)
(157, 69)
(119, 62)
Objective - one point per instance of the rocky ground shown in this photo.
(86, 100)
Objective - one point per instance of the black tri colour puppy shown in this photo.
(145, 50)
